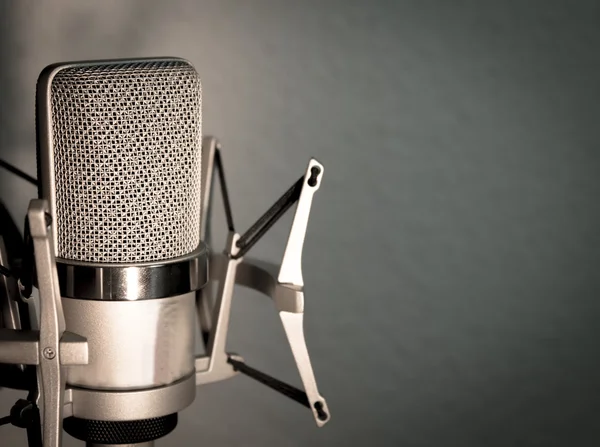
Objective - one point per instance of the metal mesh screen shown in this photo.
(127, 148)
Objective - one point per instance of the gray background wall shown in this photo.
(452, 255)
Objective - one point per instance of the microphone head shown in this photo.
(119, 158)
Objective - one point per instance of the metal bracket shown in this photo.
(51, 348)
(213, 366)
(288, 292)
(204, 296)
(285, 287)
(52, 324)
(214, 318)
(291, 310)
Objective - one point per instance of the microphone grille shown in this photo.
(126, 142)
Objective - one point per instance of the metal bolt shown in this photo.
(49, 353)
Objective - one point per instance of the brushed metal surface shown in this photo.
(130, 404)
(133, 344)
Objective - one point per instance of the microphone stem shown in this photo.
(141, 444)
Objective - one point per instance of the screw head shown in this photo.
(49, 353)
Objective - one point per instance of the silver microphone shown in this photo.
(117, 245)
(119, 146)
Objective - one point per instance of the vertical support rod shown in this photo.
(52, 323)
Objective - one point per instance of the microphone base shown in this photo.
(120, 432)
(142, 444)
(130, 405)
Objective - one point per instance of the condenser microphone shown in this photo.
(117, 246)
(119, 154)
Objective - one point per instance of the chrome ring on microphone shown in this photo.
(133, 282)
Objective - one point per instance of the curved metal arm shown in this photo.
(283, 284)
(51, 347)
(52, 324)
(288, 295)
(214, 366)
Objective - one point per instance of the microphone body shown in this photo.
(133, 345)
(119, 153)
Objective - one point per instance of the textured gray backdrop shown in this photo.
(453, 252)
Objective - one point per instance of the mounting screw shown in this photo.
(49, 353)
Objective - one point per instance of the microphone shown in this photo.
(119, 147)
(117, 245)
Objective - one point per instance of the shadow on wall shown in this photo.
(8, 94)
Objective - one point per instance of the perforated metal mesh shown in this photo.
(120, 432)
(127, 148)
